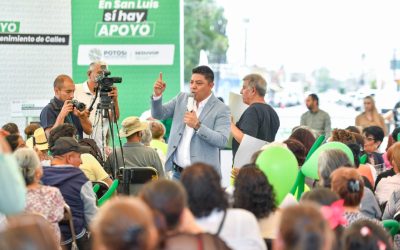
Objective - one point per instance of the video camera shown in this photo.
(105, 84)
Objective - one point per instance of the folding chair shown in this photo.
(109, 193)
(397, 216)
(103, 188)
(96, 188)
(133, 178)
(68, 219)
(392, 226)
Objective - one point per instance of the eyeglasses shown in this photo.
(370, 138)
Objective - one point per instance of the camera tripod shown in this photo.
(105, 118)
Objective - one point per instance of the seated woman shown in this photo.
(331, 210)
(349, 185)
(28, 231)
(328, 161)
(302, 228)
(124, 223)
(209, 204)
(15, 141)
(370, 116)
(254, 193)
(388, 185)
(365, 234)
(303, 135)
(146, 139)
(391, 170)
(158, 132)
(30, 129)
(297, 149)
(332, 159)
(350, 139)
(343, 136)
(373, 138)
(392, 139)
(179, 230)
(11, 128)
(44, 200)
(12, 186)
(321, 195)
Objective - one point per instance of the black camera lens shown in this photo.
(78, 105)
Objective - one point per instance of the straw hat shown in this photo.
(38, 139)
(131, 125)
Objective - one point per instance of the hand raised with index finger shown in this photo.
(159, 86)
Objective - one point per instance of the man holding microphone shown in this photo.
(200, 125)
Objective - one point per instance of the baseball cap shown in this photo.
(65, 145)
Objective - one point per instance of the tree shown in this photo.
(324, 81)
(205, 28)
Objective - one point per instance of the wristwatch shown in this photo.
(196, 128)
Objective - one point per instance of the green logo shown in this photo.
(9, 27)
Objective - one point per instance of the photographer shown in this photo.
(86, 93)
(62, 110)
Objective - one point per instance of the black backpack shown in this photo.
(94, 149)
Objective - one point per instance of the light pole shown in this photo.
(394, 68)
(362, 78)
(246, 23)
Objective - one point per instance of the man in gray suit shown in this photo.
(200, 126)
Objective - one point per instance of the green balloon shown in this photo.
(280, 166)
(310, 167)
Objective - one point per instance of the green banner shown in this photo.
(136, 38)
(9, 27)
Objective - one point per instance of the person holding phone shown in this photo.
(200, 125)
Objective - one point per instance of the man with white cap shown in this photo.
(135, 153)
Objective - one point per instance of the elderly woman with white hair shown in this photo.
(332, 159)
(44, 200)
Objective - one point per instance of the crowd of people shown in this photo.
(48, 174)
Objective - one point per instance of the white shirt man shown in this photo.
(182, 156)
(85, 93)
(100, 126)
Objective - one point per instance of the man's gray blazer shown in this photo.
(211, 136)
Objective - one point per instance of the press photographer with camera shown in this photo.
(106, 97)
(63, 109)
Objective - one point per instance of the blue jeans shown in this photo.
(176, 175)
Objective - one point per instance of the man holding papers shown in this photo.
(259, 120)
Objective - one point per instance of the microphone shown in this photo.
(190, 103)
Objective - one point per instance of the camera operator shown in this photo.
(86, 92)
(62, 110)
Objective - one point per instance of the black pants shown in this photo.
(83, 243)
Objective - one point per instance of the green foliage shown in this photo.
(205, 28)
(373, 84)
(324, 81)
